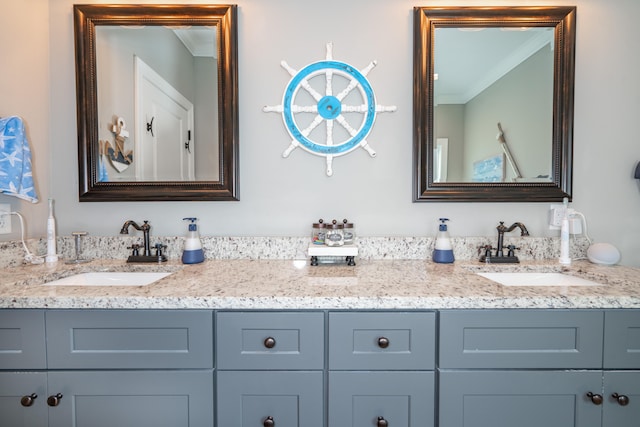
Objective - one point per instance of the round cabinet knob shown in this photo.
(595, 398)
(28, 400)
(621, 399)
(268, 422)
(270, 342)
(382, 422)
(383, 342)
(54, 400)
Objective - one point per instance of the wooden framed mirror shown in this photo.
(493, 103)
(157, 102)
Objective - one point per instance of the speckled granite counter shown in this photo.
(279, 284)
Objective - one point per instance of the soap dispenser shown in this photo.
(192, 253)
(443, 253)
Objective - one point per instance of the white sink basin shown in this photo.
(538, 279)
(109, 279)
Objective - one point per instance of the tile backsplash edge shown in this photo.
(415, 248)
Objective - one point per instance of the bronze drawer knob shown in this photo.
(27, 401)
(54, 400)
(621, 399)
(268, 422)
(595, 398)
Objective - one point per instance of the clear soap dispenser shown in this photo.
(192, 253)
(443, 253)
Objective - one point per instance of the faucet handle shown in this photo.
(159, 249)
(487, 250)
(511, 249)
(135, 248)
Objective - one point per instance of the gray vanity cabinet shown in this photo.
(564, 368)
(270, 369)
(381, 369)
(107, 368)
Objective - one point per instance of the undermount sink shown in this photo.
(538, 279)
(102, 278)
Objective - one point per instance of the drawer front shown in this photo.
(404, 399)
(382, 341)
(622, 339)
(287, 398)
(128, 339)
(22, 340)
(536, 339)
(270, 340)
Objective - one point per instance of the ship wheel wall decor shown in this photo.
(305, 109)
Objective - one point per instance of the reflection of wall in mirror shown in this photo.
(192, 76)
(522, 101)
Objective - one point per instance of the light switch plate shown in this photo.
(5, 218)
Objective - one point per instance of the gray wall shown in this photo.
(522, 102)
(283, 196)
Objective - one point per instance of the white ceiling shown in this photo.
(201, 41)
(467, 61)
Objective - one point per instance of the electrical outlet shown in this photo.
(556, 213)
(5, 218)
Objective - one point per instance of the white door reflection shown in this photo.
(440, 159)
(164, 143)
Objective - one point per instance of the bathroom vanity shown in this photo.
(263, 343)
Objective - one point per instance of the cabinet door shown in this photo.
(22, 342)
(13, 387)
(372, 399)
(286, 398)
(519, 398)
(132, 399)
(623, 408)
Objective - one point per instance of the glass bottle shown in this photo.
(318, 232)
(349, 232)
(335, 234)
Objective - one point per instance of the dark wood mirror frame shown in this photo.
(426, 20)
(86, 17)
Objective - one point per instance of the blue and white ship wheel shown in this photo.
(329, 109)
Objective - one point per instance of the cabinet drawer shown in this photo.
(22, 341)
(622, 339)
(382, 341)
(270, 340)
(287, 398)
(370, 398)
(536, 339)
(128, 339)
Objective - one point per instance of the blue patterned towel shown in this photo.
(16, 178)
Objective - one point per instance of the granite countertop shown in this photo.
(279, 284)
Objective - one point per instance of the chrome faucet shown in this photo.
(499, 256)
(146, 257)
